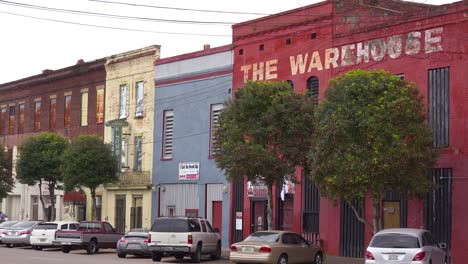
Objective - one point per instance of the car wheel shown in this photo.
(179, 257)
(217, 254)
(156, 256)
(92, 247)
(318, 259)
(121, 255)
(196, 257)
(66, 249)
(283, 259)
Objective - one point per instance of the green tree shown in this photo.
(89, 162)
(40, 158)
(264, 135)
(372, 136)
(6, 179)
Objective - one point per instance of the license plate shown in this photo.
(133, 246)
(42, 239)
(247, 249)
(393, 257)
(66, 243)
(168, 248)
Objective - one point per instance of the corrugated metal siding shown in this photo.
(438, 207)
(439, 105)
(238, 197)
(352, 231)
(214, 193)
(182, 196)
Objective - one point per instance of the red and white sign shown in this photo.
(189, 170)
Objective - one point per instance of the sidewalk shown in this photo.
(328, 259)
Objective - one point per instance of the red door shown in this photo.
(217, 215)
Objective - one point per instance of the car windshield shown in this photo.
(263, 237)
(7, 224)
(26, 224)
(395, 241)
(46, 226)
(170, 225)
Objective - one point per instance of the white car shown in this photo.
(405, 246)
(44, 233)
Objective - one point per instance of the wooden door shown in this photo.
(258, 221)
(217, 215)
(391, 214)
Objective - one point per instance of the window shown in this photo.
(168, 135)
(64, 227)
(215, 111)
(394, 241)
(288, 41)
(203, 225)
(52, 113)
(123, 155)
(73, 227)
(100, 106)
(3, 120)
(241, 52)
(313, 35)
(21, 119)
(171, 210)
(208, 225)
(261, 47)
(138, 153)
(123, 101)
(84, 109)
(37, 116)
(439, 106)
(67, 120)
(313, 88)
(11, 124)
(194, 225)
(108, 227)
(139, 99)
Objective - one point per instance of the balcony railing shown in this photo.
(134, 178)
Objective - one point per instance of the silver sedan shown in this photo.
(19, 233)
(135, 242)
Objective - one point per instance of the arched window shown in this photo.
(313, 88)
(291, 83)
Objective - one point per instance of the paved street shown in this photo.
(25, 255)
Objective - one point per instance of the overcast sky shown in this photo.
(34, 36)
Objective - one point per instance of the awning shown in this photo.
(74, 197)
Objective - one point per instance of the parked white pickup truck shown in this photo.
(44, 233)
(183, 236)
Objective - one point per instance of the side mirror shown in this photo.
(442, 245)
(216, 230)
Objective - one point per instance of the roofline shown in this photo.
(195, 54)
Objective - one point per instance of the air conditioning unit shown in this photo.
(98, 201)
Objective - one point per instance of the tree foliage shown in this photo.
(89, 162)
(372, 136)
(264, 134)
(40, 159)
(6, 178)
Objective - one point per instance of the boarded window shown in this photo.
(67, 121)
(215, 111)
(439, 106)
(37, 116)
(52, 113)
(123, 101)
(139, 99)
(100, 106)
(313, 88)
(3, 120)
(84, 109)
(11, 124)
(168, 135)
(21, 119)
(138, 153)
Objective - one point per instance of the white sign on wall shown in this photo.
(189, 170)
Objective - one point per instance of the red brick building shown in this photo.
(422, 43)
(69, 101)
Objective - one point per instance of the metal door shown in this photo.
(217, 215)
(120, 213)
(352, 231)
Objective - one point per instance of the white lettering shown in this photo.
(300, 64)
(412, 43)
(257, 73)
(378, 49)
(315, 62)
(271, 68)
(348, 57)
(331, 57)
(433, 44)
(362, 52)
(394, 46)
(246, 69)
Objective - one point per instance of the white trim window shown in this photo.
(123, 101)
(138, 153)
(214, 123)
(140, 88)
(123, 155)
(168, 135)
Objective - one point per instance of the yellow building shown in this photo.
(129, 115)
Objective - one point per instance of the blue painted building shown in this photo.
(190, 92)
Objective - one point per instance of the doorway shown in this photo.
(120, 213)
(258, 216)
(217, 215)
(391, 214)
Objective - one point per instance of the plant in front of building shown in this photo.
(88, 163)
(372, 136)
(6, 178)
(264, 134)
(39, 161)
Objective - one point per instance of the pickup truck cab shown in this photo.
(44, 233)
(91, 235)
(183, 236)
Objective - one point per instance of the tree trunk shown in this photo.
(269, 206)
(359, 217)
(51, 187)
(377, 216)
(41, 198)
(93, 204)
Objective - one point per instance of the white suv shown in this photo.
(44, 233)
(183, 236)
